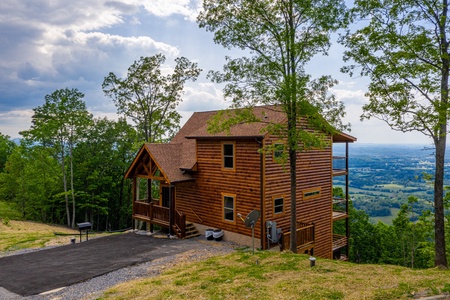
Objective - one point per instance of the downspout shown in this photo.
(261, 194)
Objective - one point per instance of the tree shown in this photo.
(107, 149)
(6, 148)
(59, 123)
(403, 48)
(30, 180)
(149, 98)
(280, 37)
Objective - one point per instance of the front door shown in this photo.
(165, 196)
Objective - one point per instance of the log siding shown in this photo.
(203, 199)
(313, 173)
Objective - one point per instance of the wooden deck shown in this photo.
(305, 238)
(339, 215)
(339, 172)
(339, 241)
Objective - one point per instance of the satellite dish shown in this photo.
(252, 218)
(250, 221)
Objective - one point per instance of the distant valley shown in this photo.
(383, 176)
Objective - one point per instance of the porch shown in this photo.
(153, 214)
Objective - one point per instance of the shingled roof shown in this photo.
(179, 156)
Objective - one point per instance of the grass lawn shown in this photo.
(275, 275)
(16, 235)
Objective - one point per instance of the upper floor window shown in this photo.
(278, 150)
(228, 156)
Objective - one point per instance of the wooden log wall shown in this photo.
(202, 199)
(313, 173)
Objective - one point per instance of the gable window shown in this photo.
(229, 206)
(228, 156)
(278, 150)
(278, 205)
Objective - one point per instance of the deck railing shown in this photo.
(305, 237)
(339, 241)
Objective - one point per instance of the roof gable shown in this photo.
(162, 157)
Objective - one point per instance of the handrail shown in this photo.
(180, 222)
(201, 221)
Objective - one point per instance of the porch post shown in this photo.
(148, 225)
(171, 210)
(133, 196)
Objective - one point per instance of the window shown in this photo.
(229, 207)
(278, 205)
(278, 150)
(228, 156)
(311, 194)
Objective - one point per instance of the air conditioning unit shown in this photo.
(273, 233)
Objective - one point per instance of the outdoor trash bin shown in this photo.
(209, 234)
(218, 234)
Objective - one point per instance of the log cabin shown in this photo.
(200, 182)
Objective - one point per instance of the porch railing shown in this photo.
(152, 213)
(159, 215)
(180, 223)
(305, 238)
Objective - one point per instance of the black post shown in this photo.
(347, 225)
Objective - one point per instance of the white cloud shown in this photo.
(12, 120)
(202, 97)
(164, 8)
(349, 96)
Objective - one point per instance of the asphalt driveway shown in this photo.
(45, 270)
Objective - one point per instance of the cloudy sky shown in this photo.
(53, 44)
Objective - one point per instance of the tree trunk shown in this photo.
(66, 197)
(293, 177)
(292, 126)
(440, 259)
(71, 186)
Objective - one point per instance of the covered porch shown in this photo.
(154, 176)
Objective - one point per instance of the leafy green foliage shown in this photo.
(93, 153)
(149, 98)
(6, 147)
(59, 123)
(407, 243)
